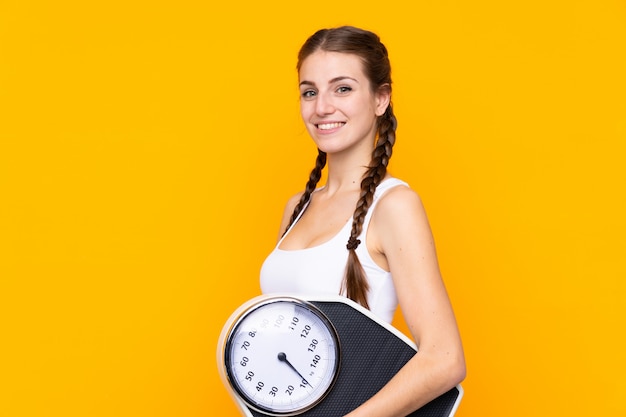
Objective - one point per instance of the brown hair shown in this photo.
(373, 54)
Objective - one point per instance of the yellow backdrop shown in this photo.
(147, 149)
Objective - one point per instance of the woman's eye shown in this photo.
(308, 94)
(344, 89)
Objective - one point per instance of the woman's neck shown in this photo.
(346, 169)
(344, 178)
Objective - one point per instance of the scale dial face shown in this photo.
(282, 356)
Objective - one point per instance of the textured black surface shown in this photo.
(370, 356)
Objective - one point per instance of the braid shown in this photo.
(314, 177)
(355, 283)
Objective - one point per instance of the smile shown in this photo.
(329, 126)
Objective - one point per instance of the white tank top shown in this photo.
(319, 270)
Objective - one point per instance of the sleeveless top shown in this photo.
(319, 270)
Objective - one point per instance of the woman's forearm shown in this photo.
(420, 381)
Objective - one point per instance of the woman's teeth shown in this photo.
(328, 126)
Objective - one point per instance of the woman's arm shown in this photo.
(401, 234)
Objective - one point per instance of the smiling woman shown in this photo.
(145, 147)
(365, 234)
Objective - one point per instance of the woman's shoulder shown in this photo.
(399, 200)
(292, 202)
(398, 221)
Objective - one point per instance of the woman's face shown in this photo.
(337, 104)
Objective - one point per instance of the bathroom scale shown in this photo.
(317, 356)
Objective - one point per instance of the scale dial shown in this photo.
(281, 356)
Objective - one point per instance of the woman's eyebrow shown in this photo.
(334, 80)
(341, 78)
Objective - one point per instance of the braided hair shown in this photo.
(373, 54)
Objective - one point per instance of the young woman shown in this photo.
(365, 234)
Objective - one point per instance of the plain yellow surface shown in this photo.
(147, 149)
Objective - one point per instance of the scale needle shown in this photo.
(283, 358)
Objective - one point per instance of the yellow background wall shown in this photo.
(147, 149)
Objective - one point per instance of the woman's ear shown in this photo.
(383, 98)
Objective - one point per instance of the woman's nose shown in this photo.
(324, 105)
